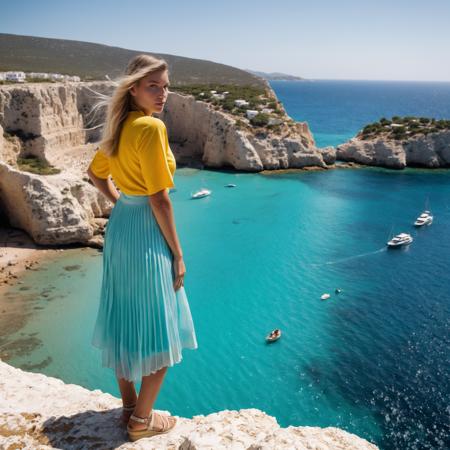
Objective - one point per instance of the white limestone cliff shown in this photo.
(432, 151)
(37, 411)
(199, 131)
(53, 209)
(50, 118)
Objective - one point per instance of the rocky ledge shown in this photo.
(76, 417)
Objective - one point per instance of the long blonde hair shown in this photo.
(121, 102)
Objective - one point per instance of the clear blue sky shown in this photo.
(328, 39)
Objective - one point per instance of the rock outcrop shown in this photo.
(53, 209)
(198, 131)
(432, 151)
(78, 418)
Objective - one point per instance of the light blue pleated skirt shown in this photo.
(142, 323)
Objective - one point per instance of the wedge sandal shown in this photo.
(150, 431)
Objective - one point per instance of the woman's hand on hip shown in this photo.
(179, 270)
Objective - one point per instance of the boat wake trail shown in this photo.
(349, 258)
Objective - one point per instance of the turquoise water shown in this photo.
(372, 360)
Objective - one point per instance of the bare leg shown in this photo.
(129, 397)
(151, 384)
(127, 391)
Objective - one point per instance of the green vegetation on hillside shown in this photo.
(257, 98)
(36, 165)
(30, 163)
(401, 128)
(92, 61)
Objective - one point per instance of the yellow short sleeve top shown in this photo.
(144, 163)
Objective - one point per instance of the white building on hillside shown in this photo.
(18, 77)
(240, 102)
(251, 113)
(38, 75)
(21, 77)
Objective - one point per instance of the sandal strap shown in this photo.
(151, 418)
(139, 419)
(164, 420)
(129, 408)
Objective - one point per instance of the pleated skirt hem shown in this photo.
(148, 365)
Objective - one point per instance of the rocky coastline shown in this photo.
(427, 151)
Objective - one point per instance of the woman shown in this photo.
(144, 320)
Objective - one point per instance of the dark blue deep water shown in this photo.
(337, 110)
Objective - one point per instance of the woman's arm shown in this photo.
(163, 211)
(104, 185)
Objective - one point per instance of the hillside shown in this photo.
(275, 76)
(93, 61)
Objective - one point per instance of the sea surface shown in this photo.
(372, 360)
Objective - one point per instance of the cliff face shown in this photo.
(54, 209)
(432, 150)
(199, 132)
(49, 119)
(79, 418)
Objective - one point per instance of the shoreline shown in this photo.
(19, 253)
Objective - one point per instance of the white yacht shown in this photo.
(201, 193)
(400, 239)
(426, 218)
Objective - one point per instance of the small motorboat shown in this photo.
(338, 291)
(230, 185)
(400, 240)
(273, 335)
(325, 296)
(426, 218)
(201, 193)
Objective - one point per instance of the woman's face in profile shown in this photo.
(151, 92)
